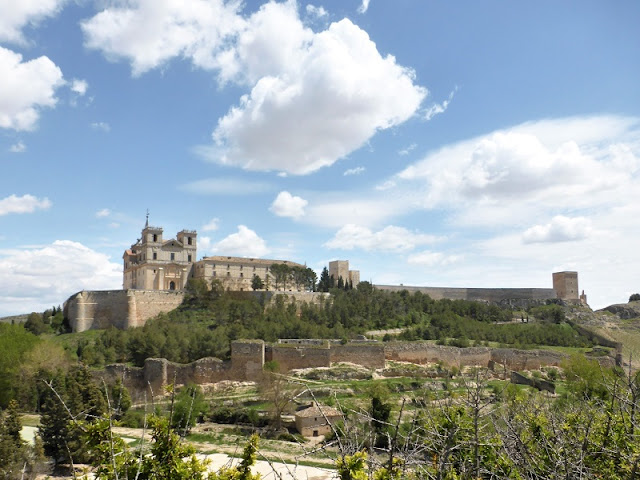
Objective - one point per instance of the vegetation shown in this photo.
(635, 297)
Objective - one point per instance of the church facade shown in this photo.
(153, 263)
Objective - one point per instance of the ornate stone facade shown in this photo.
(153, 263)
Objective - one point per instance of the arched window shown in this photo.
(172, 285)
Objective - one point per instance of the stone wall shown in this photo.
(370, 355)
(290, 357)
(533, 382)
(247, 359)
(122, 309)
(422, 352)
(494, 295)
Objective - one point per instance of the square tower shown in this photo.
(339, 268)
(566, 285)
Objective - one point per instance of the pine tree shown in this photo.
(323, 284)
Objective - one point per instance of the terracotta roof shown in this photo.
(247, 261)
(318, 411)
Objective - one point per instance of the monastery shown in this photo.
(153, 263)
(156, 272)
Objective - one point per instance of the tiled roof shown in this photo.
(247, 261)
(319, 411)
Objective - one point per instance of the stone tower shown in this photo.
(566, 286)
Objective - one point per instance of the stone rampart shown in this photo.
(423, 352)
(291, 357)
(247, 359)
(370, 355)
(87, 310)
(513, 359)
(493, 295)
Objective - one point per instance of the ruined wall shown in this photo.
(122, 309)
(290, 357)
(533, 382)
(495, 295)
(422, 352)
(370, 355)
(247, 359)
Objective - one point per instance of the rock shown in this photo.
(625, 311)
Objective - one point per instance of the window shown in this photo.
(241, 275)
(155, 256)
(227, 266)
(155, 237)
(172, 285)
(189, 258)
(189, 242)
(173, 256)
(228, 274)
(214, 273)
(240, 267)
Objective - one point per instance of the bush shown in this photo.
(635, 297)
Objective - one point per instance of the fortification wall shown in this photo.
(290, 357)
(370, 355)
(122, 309)
(495, 295)
(247, 359)
(422, 352)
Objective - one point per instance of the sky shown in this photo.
(458, 143)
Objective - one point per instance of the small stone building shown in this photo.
(316, 420)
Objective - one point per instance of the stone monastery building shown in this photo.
(153, 263)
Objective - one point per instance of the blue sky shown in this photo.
(482, 144)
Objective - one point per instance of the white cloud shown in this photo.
(32, 279)
(325, 98)
(102, 126)
(24, 204)
(433, 259)
(105, 212)
(354, 171)
(18, 14)
(318, 12)
(390, 238)
(79, 86)
(114, 225)
(191, 29)
(18, 147)
(338, 210)
(287, 205)
(560, 229)
(438, 108)
(225, 186)
(315, 97)
(364, 7)
(408, 150)
(212, 225)
(244, 243)
(26, 88)
(544, 166)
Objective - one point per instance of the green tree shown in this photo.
(189, 405)
(635, 297)
(257, 283)
(325, 282)
(35, 324)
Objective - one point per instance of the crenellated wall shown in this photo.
(87, 310)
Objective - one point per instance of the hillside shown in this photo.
(619, 323)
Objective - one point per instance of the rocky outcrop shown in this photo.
(625, 311)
